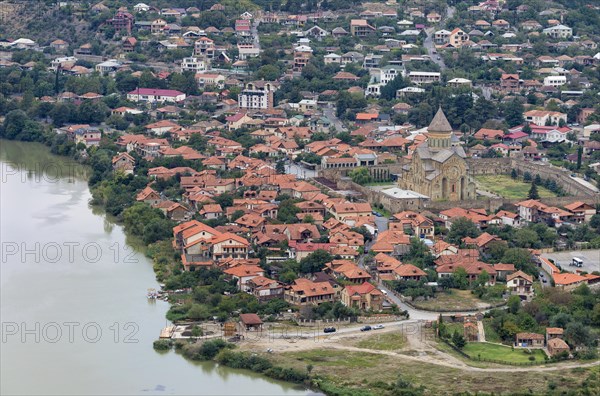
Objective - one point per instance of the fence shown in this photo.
(479, 359)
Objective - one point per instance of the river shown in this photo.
(73, 307)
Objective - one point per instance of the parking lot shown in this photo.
(591, 259)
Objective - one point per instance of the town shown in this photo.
(328, 188)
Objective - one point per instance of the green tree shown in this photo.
(460, 277)
(315, 261)
(461, 228)
(533, 192)
(280, 167)
(513, 304)
(458, 340)
(514, 174)
(361, 176)
(513, 113)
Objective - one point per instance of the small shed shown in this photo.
(251, 322)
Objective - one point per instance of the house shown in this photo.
(211, 211)
(503, 270)
(557, 346)
(510, 82)
(129, 44)
(558, 32)
(457, 38)
(554, 332)
(173, 210)
(485, 134)
(193, 64)
(582, 212)
(244, 273)
(123, 162)
(265, 289)
(149, 196)
(364, 297)
(520, 284)
(228, 245)
(306, 292)
(237, 121)
(544, 117)
(151, 95)
(361, 28)
(424, 77)
(408, 272)
(251, 322)
(414, 223)
(210, 79)
(59, 45)
(529, 340)
(530, 210)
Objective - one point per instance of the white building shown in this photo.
(422, 77)
(558, 31)
(257, 95)
(332, 59)
(246, 51)
(141, 7)
(542, 117)
(555, 81)
(151, 95)
(381, 77)
(193, 64)
(109, 66)
(62, 60)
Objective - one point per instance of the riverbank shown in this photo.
(43, 207)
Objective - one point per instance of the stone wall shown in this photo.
(489, 166)
(477, 166)
(395, 205)
(548, 171)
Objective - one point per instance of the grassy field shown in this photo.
(383, 342)
(363, 371)
(453, 300)
(507, 187)
(503, 353)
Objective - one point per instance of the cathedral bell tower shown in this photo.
(440, 132)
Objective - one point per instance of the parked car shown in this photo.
(378, 327)
(365, 328)
(329, 330)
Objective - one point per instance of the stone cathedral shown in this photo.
(437, 168)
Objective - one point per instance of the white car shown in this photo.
(378, 327)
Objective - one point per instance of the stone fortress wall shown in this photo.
(477, 166)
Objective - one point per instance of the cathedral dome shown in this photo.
(439, 131)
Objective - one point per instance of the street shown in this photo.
(329, 112)
(429, 45)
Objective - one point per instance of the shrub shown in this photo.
(162, 345)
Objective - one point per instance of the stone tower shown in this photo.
(440, 132)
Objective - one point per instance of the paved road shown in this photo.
(381, 223)
(430, 47)
(329, 112)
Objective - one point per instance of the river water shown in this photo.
(73, 307)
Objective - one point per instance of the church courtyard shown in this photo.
(507, 187)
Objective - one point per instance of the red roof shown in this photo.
(156, 92)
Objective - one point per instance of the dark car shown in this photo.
(329, 330)
(365, 328)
